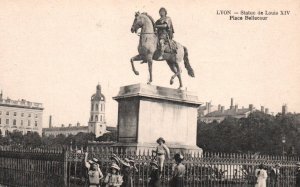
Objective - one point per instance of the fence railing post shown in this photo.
(65, 168)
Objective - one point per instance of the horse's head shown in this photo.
(137, 23)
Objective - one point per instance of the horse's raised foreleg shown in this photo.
(135, 58)
(179, 75)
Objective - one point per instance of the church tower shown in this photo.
(97, 123)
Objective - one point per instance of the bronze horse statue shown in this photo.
(148, 49)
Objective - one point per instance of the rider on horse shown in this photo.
(165, 30)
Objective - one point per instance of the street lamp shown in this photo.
(283, 140)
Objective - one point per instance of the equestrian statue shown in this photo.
(156, 43)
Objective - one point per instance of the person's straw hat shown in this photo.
(95, 160)
(154, 162)
(298, 164)
(115, 157)
(277, 165)
(178, 157)
(161, 139)
(91, 162)
(126, 162)
(131, 160)
(115, 166)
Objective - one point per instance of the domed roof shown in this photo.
(98, 96)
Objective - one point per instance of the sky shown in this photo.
(56, 52)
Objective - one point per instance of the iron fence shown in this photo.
(52, 167)
(209, 169)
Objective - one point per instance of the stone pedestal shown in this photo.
(148, 112)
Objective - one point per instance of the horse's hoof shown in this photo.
(136, 73)
(171, 82)
(180, 88)
(149, 83)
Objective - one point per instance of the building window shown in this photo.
(101, 118)
(15, 113)
(0, 120)
(7, 121)
(29, 115)
(35, 123)
(15, 122)
(101, 107)
(28, 122)
(97, 107)
(36, 116)
(92, 118)
(22, 114)
(7, 113)
(96, 118)
(92, 107)
(22, 122)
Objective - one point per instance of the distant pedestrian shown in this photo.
(94, 173)
(275, 176)
(113, 178)
(178, 172)
(161, 151)
(261, 176)
(154, 179)
(298, 174)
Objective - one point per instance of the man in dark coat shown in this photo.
(154, 180)
(298, 174)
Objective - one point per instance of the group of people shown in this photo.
(261, 175)
(121, 171)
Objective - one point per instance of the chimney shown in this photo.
(219, 107)
(208, 107)
(236, 108)
(62, 125)
(262, 109)
(284, 109)
(251, 107)
(70, 125)
(78, 124)
(267, 111)
(222, 109)
(50, 121)
(231, 103)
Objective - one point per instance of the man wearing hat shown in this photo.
(165, 30)
(275, 175)
(154, 179)
(178, 171)
(161, 151)
(93, 171)
(127, 173)
(298, 174)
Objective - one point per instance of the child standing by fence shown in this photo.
(113, 178)
(94, 173)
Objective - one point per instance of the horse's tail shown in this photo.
(187, 63)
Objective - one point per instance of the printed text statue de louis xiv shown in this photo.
(156, 43)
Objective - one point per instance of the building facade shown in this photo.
(69, 130)
(20, 115)
(221, 113)
(96, 123)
